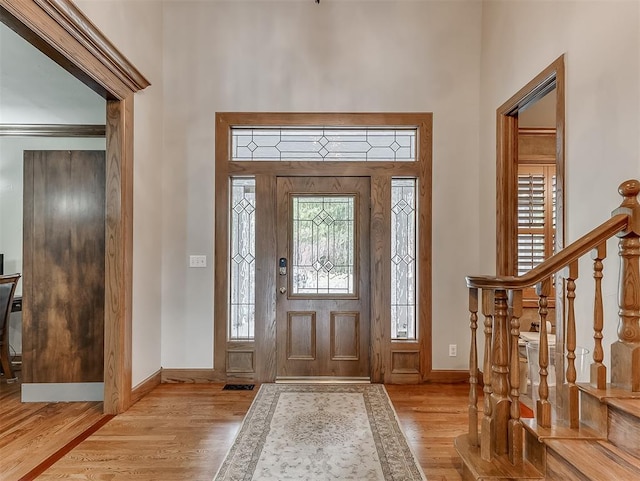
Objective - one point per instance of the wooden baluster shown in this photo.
(473, 368)
(573, 410)
(625, 353)
(486, 442)
(516, 434)
(543, 406)
(598, 375)
(500, 373)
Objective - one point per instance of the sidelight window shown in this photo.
(242, 302)
(403, 258)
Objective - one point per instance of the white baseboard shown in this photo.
(62, 392)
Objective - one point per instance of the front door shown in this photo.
(322, 315)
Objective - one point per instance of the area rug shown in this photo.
(320, 432)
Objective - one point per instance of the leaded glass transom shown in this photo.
(243, 256)
(323, 144)
(322, 245)
(403, 258)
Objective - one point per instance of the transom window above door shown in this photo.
(323, 144)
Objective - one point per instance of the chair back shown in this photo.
(7, 290)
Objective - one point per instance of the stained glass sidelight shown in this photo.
(403, 258)
(323, 245)
(323, 144)
(243, 266)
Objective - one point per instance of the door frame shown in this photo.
(390, 360)
(63, 33)
(507, 163)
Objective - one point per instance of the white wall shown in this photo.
(601, 43)
(136, 29)
(34, 89)
(398, 56)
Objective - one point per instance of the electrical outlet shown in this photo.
(197, 261)
(453, 350)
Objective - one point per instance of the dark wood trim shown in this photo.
(507, 157)
(60, 30)
(448, 377)
(380, 276)
(52, 130)
(425, 228)
(377, 171)
(146, 386)
(64, 34)
(87, 34)
(119, 256)
(193, 376)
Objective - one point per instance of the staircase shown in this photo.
(591, 431)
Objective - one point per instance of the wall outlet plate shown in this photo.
(453, 350)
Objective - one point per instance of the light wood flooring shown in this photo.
(183, 431)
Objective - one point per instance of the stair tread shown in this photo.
(559, 431)
(597, 460)
(630, 406)
(608, 393)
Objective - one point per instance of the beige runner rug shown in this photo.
(319, 432)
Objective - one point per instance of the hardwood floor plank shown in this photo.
(183, 431)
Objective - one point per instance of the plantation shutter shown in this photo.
(536, 215)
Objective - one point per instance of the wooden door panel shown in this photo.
(63, 271)
(301, 336)
(345, 336)
(322, 313)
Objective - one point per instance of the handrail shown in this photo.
(553, 264)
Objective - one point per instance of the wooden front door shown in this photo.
(322, 313)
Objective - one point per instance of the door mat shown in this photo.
(238, 387)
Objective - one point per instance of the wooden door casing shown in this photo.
(324, 335)
(392, 361)
(64, 266)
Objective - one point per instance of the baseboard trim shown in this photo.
(193, 376)
(146, 386)
(62, 391)
(448, 377)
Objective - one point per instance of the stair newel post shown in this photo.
(500, 401)
(598, 375)
(573, 410)
(473, 368)
(486, 443)
(543, 406)
(515, 426)
(625, 353)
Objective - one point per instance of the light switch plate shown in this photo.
(197, 261)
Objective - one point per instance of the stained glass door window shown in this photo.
(403, 259)
(323, 245)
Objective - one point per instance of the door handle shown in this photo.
(283, 290)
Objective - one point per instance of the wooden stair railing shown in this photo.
(501, 432)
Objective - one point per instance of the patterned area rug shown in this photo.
(320, 432)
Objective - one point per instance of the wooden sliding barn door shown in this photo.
(64, 266)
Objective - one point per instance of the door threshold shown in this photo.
(322, 380)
